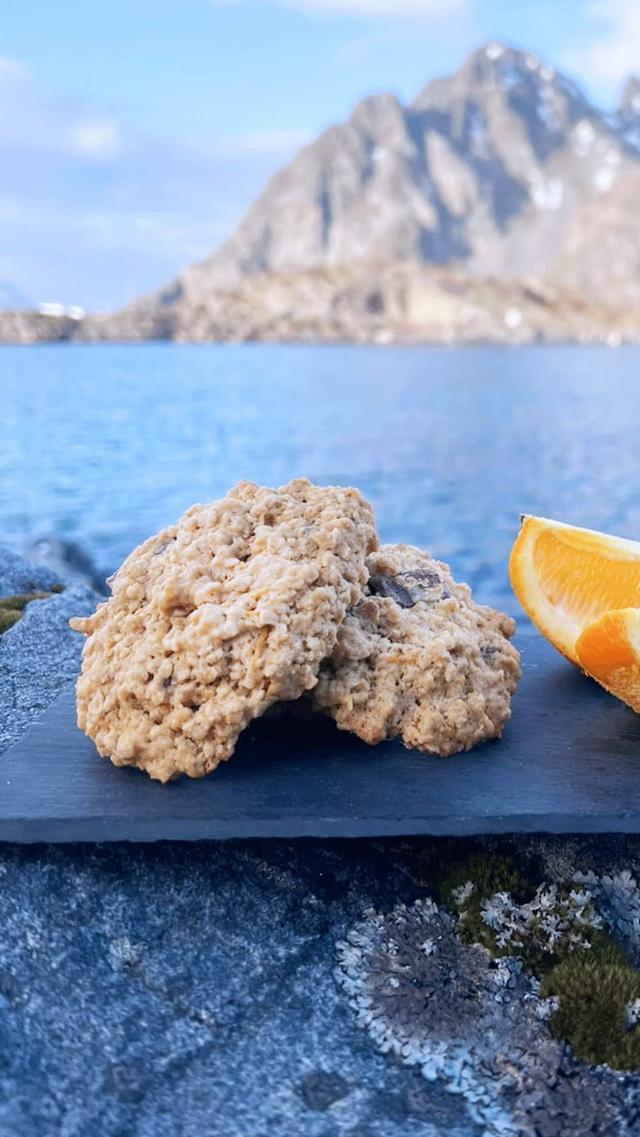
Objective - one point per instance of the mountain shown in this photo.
(500, 185)
(485, 169)
(601, 254)
(630, 102)
(628, 118)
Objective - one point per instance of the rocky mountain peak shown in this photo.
(498, 67)
(492, 65)
(489, 169)
(630, 101)
(374, 109)
(508, 96)
(627, 118)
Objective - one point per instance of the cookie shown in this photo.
(216, 618)
(418, 660)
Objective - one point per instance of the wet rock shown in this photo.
(18, 575)
(68, 560)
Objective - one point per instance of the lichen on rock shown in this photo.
(522, 996)
(574, 935)
(618, 899)
(542, 931)
(477, 1024)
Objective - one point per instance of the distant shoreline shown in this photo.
(400, 303)
(595, 340)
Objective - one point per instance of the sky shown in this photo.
(134, 134)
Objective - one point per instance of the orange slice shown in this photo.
(581, 589)
(609, 651)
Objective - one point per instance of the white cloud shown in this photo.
(614, 51)
(35, 118)
(398, 9)
(94, 212)
(100, 141)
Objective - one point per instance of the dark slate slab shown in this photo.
(569, 762)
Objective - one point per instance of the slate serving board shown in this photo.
(569, 762)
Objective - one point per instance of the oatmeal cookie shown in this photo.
(216, 618)
(417, 659)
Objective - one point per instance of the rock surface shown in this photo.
(200, 990)
(40, 653)
(27, 326)
(600, 234)
(68, 560)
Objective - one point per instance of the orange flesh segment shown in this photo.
(609, 651)
(566, 578)
(581, 573)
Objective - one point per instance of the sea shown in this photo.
(105, 444)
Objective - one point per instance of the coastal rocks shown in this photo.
(68, 560)
(12, 607)
(18, 575)
(28, 326)
(618, 898)
(173, 989)
(38, 652)
(409, 303)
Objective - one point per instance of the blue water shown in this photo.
(107, 444)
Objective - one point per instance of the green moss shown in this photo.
(8, 617)
(605, 951)
(595, 989)
(488, 873)
(595, 985)
(473, 930)
(540, 927)
(602, 948)
(12, 607)
(20, 600)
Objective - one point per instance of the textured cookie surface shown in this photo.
(215, 618)
(417, 659)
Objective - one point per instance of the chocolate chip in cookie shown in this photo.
(414, 586)
(419, 660)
